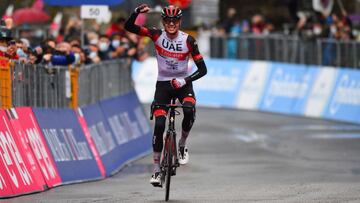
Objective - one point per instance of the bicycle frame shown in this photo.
(169, 161)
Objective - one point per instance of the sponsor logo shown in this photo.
(69, 149)
(347, 92)
(123, 128)
(40, 153)
(172, 65)
(320, 92)
(166, 53)
(102, 138)
(253, 85)
(171, 46)
(10, 155)
(286, 85)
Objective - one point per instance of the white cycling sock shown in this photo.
(156, 157)
(184, 136)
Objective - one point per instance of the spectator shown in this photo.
(33, 56)
(257, 24)
(141, 54)
(80, 57)
(93, 53)
(229, 21)
(116, 27)
(92, 38)
(104, 44)
(7, 45)
(61, 56)
(72, 28)
(133, 42)
(20, 51)
(75, 41)
(118, 48)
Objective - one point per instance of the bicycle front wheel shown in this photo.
(169, 159)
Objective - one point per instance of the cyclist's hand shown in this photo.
(143, 8)
(177, 83)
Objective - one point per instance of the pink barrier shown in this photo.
(18, 162)
(37, 142)
(89, 139)
(5, 187)
(23, 144)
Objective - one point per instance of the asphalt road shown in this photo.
(241, 156)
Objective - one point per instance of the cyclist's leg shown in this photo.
(162, 96)
(187, 98)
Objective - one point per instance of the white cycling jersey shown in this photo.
(172, 56)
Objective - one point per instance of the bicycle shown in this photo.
(169, 161)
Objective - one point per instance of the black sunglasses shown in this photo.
(174, 20)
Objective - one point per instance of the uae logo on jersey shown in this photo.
(170, 46)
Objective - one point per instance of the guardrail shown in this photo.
(62, 86)
(290, 49)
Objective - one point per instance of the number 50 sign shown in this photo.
(94, 11)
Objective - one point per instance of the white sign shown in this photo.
(94, 11)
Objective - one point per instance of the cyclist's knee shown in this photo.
(189, 110)
(159, 125)
(160, 121)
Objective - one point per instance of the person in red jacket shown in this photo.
(7, 45)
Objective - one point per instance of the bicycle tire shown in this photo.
(169, 166)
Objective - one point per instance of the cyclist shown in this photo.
(173, 48)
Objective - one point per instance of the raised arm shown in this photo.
(140, 30)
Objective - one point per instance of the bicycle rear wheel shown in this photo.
(168, 169)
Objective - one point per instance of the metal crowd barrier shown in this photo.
(104, 80)
(62, 86)
(39, 86)
(290, 49)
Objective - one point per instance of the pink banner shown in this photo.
(24, 146)
(38, 145)
(15, 159)
(90, 141)
(5, 187)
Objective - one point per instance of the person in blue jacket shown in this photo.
(61, 56)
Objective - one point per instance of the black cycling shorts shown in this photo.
(165, 92)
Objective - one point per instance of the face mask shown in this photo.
(94, 41)
(317, 30)
(21, 53)
(3, 49)
(333, 29)
(77, 58)
(103, 46)
(92, 55)
(115, 43)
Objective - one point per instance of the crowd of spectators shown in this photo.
(68, 48)
(308, 24)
